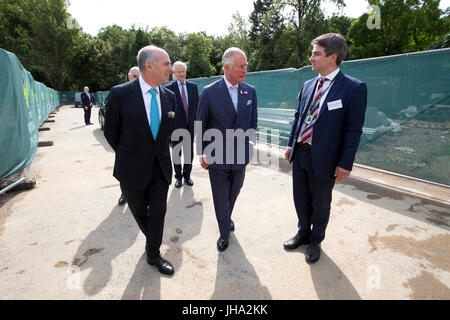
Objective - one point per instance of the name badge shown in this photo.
(333, 105)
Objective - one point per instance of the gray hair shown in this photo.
(229, 56)
(147, 53)
(179, 63)
(332, 43)
(132, 69)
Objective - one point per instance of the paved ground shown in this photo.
(388, 238)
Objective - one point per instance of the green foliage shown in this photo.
(42, 45)
(277, 34)
(406, 26)
(197, 51)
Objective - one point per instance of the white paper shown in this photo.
(333, 105)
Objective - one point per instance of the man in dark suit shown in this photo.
(228, 104)
(132, 75)
(187, 101)
(140, 117)
(86, 102)
(324, 138)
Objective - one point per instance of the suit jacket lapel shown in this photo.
(226, 97)
(309, 93)
(164, 111)
(140, 105)
(189, 93)
(338, 83)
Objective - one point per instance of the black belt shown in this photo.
(304, 145)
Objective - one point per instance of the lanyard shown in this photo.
(323, 94)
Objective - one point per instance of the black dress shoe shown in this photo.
(189, 182)
(164, 266)
(232, 225)
(222, 244)
(122, 200)
(178, 183)
(295, 242)
(313, 253)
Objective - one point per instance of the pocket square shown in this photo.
(249, 102)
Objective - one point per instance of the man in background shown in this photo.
(187, 101)
(86, 102)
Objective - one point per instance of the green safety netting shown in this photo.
(100, 97)
(67, 97)
(24, 105)
(407, 124)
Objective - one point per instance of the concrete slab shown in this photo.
(68, 239)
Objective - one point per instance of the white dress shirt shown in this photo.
(147, 96)
(229, 85)
(327, 87)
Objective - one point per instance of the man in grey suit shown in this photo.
(227, 105)
(187, 101)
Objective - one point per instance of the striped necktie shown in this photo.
(313, 112)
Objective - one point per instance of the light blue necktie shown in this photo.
(234, 97)
(154, 114)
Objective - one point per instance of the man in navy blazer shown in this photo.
(324, 138)
(228, 115)
(86, 102)
(187, 101)
(140, 117)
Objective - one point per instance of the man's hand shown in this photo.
(203, 162)
(85, 108)
(341, 174)
(287, 154)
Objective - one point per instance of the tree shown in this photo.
(265, 36)
(169, 41)
(43, 45)
(120, 45)
(308, 22)
(339, 24)
(238, 33)
(406, 26)
(197, 50)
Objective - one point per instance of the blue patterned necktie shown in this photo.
(154, 114)
(234, 97)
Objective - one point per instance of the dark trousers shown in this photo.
(148, 207)
(187, 166)
(312, 197)
(87, 114)
(121, 188)
(225, 185)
